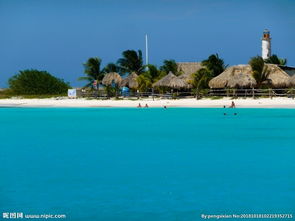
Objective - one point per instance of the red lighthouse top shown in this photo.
(266, 34)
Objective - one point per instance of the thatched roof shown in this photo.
(278, 77)
(240, 76)
(234, 76)
(188, 69)
(111, 78)
(292, 81)
(170, 80)
(130, 81)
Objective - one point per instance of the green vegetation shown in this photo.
(260, 71)
(213, 66)
(6, 93)
(111, 67)
(93, 71)
(34, 82)
(111, 91)
(131, 62)
(202, 78)
(41, 84)
(170, 66)
(154, 73)
(144, 82)
(274, 59)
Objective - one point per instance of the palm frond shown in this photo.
(85, 79)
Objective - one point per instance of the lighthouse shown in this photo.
(266, 45)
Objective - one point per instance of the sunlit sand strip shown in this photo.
(203, 103)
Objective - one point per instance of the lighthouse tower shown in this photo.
(266, 45)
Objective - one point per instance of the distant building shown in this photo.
(266, 44)
(288, 69)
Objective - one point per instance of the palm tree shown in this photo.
(274, 59)
(93, 71)
(131, 62)
(202, 78)
(154, 73)
(144, 82)
(260, 71)
(111, 67)
(214, 64)
(170, 66)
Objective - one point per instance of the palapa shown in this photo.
(188, 69)
(130, 81)
(292, 81)
(111, 78)
(277, 76)
(171, 81)
(240, 76)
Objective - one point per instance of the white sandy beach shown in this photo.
(203, 103)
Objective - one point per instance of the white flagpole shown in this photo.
(146, 50)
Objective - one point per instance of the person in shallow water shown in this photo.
(146, 105)
(139, 105)
(233, 105)
(165, 107)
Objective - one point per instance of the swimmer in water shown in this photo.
(139, 105)
(146, 105)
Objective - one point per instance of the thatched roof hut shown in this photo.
(277, 76)
(292, 81)
(111, 78)
(240, 76)
(170, 80)
(234, 76)
(130, 81)
(188, 69)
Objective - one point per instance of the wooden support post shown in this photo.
(253, 93)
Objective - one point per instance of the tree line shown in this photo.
(30, 82)
(132, 62)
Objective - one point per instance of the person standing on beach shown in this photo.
(233, 105)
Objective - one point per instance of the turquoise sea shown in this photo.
(146, 164)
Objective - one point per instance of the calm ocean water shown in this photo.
(146, 164)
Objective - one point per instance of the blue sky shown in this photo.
(60, 35)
